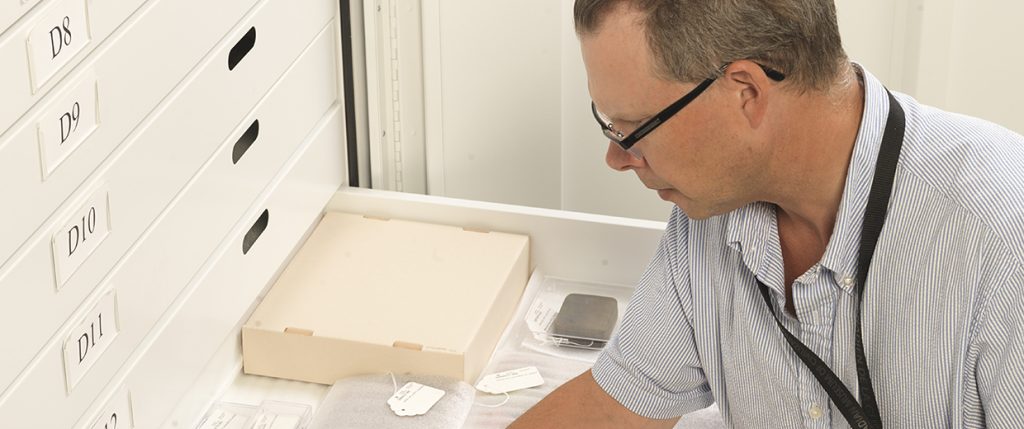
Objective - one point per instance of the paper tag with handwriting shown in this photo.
(539, 318)
(414, 399)
(509, 381)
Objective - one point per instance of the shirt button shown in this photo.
(847, 281)
(815, 412)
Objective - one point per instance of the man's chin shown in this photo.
(697, 214)
(687, 205)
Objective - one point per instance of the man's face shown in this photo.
(696, 159)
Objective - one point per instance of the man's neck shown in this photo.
(812, 164)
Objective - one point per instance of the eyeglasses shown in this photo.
(628, 142)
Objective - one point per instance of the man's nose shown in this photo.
(620, 160)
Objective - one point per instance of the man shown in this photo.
(770, 149)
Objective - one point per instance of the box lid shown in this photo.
(385, 281)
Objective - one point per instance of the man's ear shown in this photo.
(747, 84)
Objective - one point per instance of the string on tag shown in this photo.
(507, 397)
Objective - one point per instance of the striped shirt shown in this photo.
(943, 315)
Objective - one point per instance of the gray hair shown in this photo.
(691, 39)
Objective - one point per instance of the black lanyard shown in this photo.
(865, 415)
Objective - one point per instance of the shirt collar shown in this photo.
(749, 229)
(753, 232)
(844, 246)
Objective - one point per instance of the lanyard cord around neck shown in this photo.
(864, 415)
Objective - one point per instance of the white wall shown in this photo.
(497, 87)
(868, 29)
(958, 55)
(971, 58)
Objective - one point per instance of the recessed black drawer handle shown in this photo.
(242, 48)
(255, 232)
(244, 142)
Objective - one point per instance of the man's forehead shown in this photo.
(618, 63)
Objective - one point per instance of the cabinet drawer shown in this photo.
(213, 305)
(144, 181)
(66, 136)
(156, 269)
(55, 36)
(12, 10)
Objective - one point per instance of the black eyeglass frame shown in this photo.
(627, 142)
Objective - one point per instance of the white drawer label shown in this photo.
(81, 235)
(90, 339)
(67, 123)
(117, 414)
(56, 39)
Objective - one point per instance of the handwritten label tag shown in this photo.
(81, 235)
(67, 123)
(56, 39)
(414, 399)
(90, 339)
(510, 381)
(539, 318)
(117, 414)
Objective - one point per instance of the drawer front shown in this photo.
(158, 267)
(116, 413)
(63, 139)
(158, 163)
(12, 10)
(214, 304)
(54, 37)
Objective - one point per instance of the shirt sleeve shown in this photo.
(651, 366)
(1000, 365)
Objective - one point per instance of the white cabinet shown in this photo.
(162, 143)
